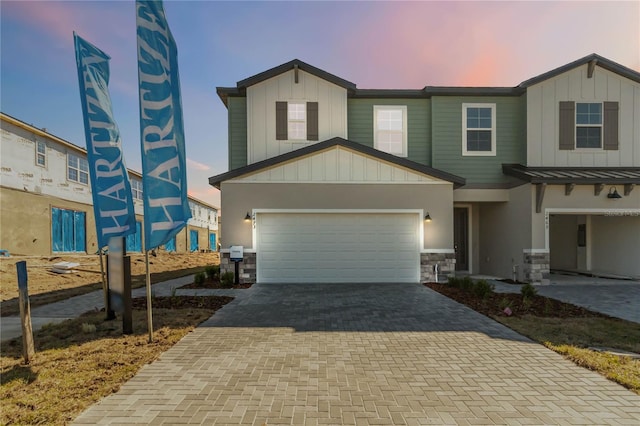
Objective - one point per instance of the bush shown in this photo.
(212, 271)
(199, 279)
(528, 291)
(482, 289)
(464, 283)
(226, 279)
(454, 282)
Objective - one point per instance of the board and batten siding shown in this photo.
(543, 100)
(418, 125)
(447, 138)
(261, 112)
(237, 124)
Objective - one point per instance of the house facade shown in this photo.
(46, 206)
(331, 183)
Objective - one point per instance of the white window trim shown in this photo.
(290, 120)
(467, 153)
(78, 170)
(601, 126)
(41, 154)
(137, 189)
(402, 108)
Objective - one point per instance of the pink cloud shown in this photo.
(198, 166)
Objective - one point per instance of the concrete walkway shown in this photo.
(360, 354)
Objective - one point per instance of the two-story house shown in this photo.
(46, 206)
(331, 183)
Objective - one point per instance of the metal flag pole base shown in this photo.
(149, 313)
(109, 314)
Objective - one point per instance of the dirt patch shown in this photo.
(215, 284)
(43, 280)
(182, 302)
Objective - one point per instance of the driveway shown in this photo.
(360, 354)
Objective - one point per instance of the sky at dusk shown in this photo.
(381, 45)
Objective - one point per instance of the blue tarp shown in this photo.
(212, 242)
(193, 239)
(68, 230)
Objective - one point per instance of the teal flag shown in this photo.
(164, 174)
(110, 186)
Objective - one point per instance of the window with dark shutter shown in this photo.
(610, 127)
(567, 125)
(312, 121)
(281, 121)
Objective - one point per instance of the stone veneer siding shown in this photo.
(247, 267)
(446, 266)
(535, 267)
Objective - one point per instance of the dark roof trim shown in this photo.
(599, 60)
(577, 175)
(226, 92)
(473, 91)
(387, 93)
(317, 147)
(265, 75)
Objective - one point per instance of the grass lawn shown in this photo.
(79, 361)
(567, 329)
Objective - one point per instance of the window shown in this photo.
(297, 121)
(478, 129)
(588, 125)
(41, 154)
(136, 189)
(390, 129)
(77, 169)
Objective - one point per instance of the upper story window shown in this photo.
(588, 125)
(390, 129)
(77, 169)
(41, 154)
(136, 189)
(297, 121)
(479, 129)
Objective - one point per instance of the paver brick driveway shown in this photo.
(360, 354)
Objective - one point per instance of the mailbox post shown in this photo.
(236, 255)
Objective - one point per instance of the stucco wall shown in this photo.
(505, 231)
(239, 199)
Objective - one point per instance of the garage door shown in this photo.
(337, 247)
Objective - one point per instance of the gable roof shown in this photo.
(428, 91)
(216, 181)
(596, 59)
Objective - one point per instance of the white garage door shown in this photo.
(337, 247)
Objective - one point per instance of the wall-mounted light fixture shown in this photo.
(613, 194)
(427, 217)
(247, 218)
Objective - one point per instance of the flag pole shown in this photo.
(149, 313)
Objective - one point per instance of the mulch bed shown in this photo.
(494, 304)
(183, 302)
(215, 285)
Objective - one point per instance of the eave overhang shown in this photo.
(574, 175)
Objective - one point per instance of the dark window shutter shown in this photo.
(610, 126)
(567, 125)
(312, 121)
(281, 121)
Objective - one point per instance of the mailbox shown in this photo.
(236, 254)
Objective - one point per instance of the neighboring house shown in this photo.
(46, 205)
(335, 182)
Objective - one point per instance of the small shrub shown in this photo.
(453, 281)
(466, 283)
(528, 291)
(199, 279)
(226, 279)
(212, 271)
(548, 307)
(504, 303)
(482, 289)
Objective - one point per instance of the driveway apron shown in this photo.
(360, 354)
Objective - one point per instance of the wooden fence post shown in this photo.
(28, 349)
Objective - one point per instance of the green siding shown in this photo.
(447, 138)
(237, 116)
(360, 124)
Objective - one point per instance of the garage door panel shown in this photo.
(337, 247)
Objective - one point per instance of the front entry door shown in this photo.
(461, 237)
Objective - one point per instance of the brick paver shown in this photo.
(360, 354)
